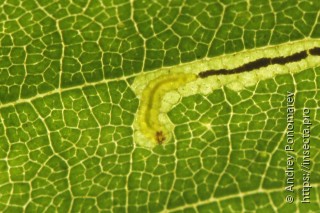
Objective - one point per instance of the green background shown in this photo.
(67, 109)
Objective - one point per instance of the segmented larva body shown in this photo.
(150, 105)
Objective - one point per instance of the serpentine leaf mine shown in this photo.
(160, 90)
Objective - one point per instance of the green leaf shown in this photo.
(72, 75)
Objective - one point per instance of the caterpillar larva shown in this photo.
(150, 105)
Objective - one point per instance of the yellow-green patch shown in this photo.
(151, 129)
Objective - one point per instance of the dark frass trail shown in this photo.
(263, 62)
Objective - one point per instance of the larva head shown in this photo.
(160, 137)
